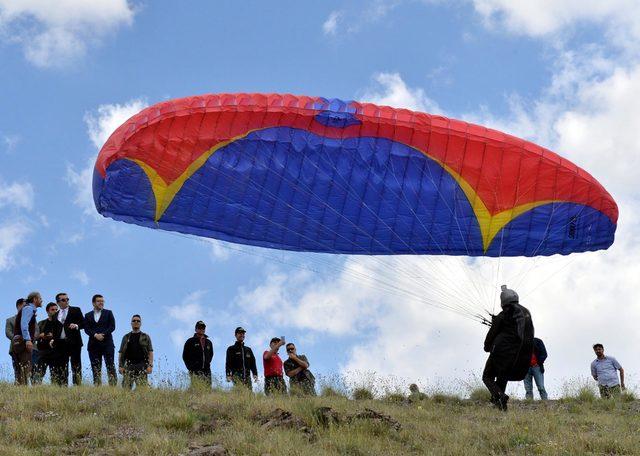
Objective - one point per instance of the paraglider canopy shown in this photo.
(318, 175)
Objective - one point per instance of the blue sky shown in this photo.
(562, 74)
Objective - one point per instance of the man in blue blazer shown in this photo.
(98, 325)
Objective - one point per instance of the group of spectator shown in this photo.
(241, 367)
(55, 343)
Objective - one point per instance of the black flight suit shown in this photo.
(510, 342)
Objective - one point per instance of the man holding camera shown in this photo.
(273, 378)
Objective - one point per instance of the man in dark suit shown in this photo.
(8, 331)
(99, 324)
(71, 339)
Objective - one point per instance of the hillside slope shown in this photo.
(100, 421)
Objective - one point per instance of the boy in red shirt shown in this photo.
(273, 375)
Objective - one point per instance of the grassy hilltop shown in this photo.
(99, 421)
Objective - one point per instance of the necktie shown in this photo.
(63, 317)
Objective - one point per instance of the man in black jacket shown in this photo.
(71, 338)
(50, 347)
(197, 355)
(135, 357)
(99, 324)
(510, 342)
(240, 362)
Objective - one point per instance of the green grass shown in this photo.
(48, 420)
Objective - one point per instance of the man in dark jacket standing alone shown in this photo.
(197, 355)
(510, 343)
(71, 339)
(99, 324)
(240, 362)
(135, 357)
(536, 371)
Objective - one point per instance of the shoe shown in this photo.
(502, 402)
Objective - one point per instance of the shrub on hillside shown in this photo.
(440, 398)
(395, 398)
(362, 394)
(330, 391)
(627, 396)
(480, 395)
(586, 394)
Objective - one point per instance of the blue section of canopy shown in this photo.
(291, 189)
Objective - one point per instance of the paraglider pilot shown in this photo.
(510, 344)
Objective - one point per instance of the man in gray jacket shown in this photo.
(8, 331)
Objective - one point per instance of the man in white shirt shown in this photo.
(73, 322)
(99, 325)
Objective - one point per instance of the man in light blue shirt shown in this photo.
(604, 369)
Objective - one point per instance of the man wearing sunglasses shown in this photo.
(301, 380)
(135, 358)
(72, 321)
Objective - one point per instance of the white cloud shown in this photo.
(17, 194)
(12, 235)
(80, 276)
(330, 26)
(317, 303)
(601, 131)
(53, 34)
(108, 117)
(81, 182)
(391, 90)
(100, 125)
(184, 316)
(10, 141)
(544, 17)
(220, 251)
(345, 21)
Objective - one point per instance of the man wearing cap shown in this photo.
(240, 362)
(197, 355)
(273, 378)
(510, 344)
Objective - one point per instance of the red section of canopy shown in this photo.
(505, 171)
